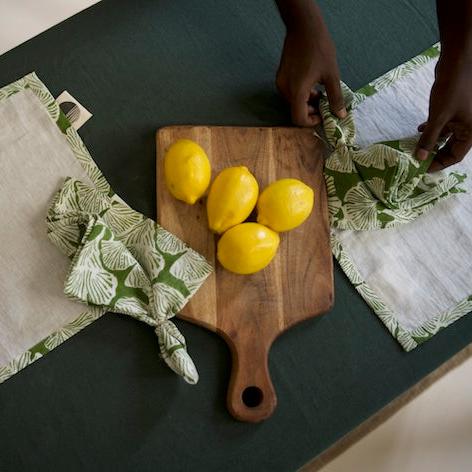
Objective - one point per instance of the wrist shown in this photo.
(454, 57)
(300, 16)
(455, 29)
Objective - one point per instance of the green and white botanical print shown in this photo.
(408, 339)
(382, 185)
(397, 73)
(121, 261)
(126, 263)
(50, 342)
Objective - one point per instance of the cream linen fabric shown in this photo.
(422, 270)
(32, 270)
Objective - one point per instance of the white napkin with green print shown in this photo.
(126, 263)
(380, 185)
(402, 236)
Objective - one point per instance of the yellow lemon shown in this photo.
(187, 170)
(232, 197)
(285, 204)
(247, 248)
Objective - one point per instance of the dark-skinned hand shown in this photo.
(450, 114)
(309, 60)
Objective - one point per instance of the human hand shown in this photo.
(450, 113)
(309, 59)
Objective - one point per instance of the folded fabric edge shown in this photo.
(408, 339)
(50, 342)
(396, 73)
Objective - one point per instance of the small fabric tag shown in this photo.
(76, 113)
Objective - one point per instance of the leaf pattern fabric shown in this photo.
(380, 186)
(121, 261)
(124, 262)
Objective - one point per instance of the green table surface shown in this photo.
(103, 400)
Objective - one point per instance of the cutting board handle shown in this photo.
(251, 395)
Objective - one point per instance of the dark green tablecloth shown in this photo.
(103, 400)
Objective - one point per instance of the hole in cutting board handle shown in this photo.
(252, 396)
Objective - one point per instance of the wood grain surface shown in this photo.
(249, 312)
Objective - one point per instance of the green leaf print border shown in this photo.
(90, 314)
(408, 339)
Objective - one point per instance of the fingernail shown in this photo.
(422, 154)
(342, 113)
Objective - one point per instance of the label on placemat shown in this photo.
(75, 112)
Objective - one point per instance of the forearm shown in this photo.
(455, 28)
(300, 14)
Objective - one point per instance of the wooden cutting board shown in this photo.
(250, 311)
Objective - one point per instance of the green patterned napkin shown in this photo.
(121, 260)
(126, 263)
(382, 185)
(415, 280)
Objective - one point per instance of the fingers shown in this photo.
(431, 134)
(458, 145)
(453, 152)
(444, 132)
(303, 113)
(314, 98)
(304, 101)
(422, 126)
(305, 109)
(335, 97)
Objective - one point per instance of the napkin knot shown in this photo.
(379, 186)
(126, 263)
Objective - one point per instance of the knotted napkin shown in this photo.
(126, 263)
(415, 276)
(382, 185)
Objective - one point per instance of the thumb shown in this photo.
(428, 140)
